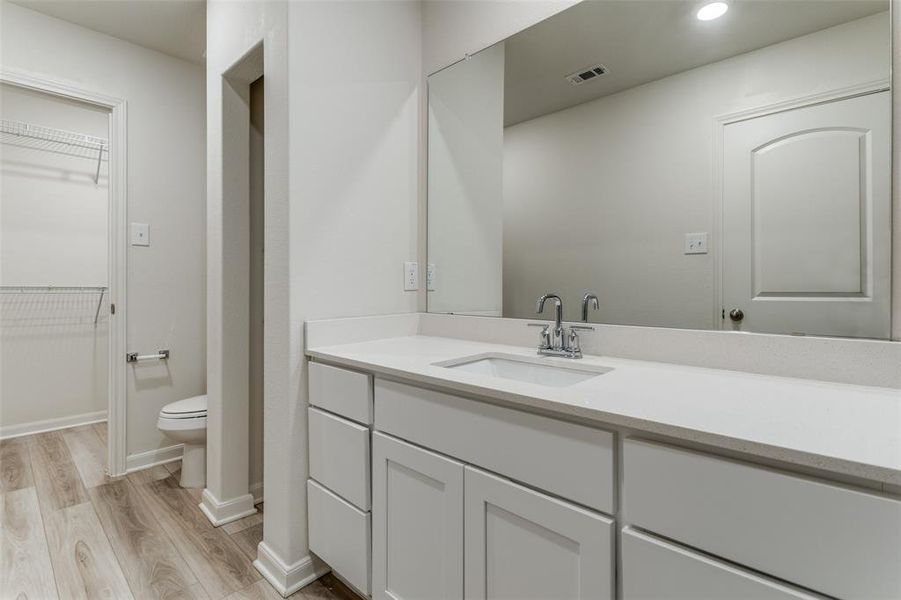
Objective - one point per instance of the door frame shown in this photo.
(117, 244)
(719, 130)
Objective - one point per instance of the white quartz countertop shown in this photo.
(845, 429)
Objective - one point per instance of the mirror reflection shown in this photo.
(705, 167)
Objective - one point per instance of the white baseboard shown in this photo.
(12, 431)
(152, 458)
(221, 512)
(287, 579)
(256, 490)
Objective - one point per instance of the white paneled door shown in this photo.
(807, 220)
(523, 545)
(417, 523)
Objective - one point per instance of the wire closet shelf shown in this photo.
(60, 289)
(38, 137)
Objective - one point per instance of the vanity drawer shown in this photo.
(653, 568)
(827, 538)
(569, 460)
(343, 392)
(339, 456)
(339, 535)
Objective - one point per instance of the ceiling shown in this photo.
(644, 40)
(173, 27)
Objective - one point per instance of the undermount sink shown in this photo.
(529, 370)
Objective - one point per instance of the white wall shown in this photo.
(53, 231)
(165, 189)
(614, 184)
(451, 28)
(465, 185)
(338, 224)
(233, 30)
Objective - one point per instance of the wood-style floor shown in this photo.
(67, 531)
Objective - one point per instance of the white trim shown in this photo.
(287, 579)
(117, 230)
(152, 458)
(219, 513)
(719, 126)
(256, 490)
(12, 431)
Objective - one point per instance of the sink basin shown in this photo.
(536, 370)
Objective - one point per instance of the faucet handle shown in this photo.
(572, 341)
(544, 336)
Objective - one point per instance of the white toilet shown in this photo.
(185, 421)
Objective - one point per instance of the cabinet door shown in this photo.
(523, 545)
(417, 529)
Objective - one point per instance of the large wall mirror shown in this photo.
(727, 173)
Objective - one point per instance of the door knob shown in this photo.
(736, 315)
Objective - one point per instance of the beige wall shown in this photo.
(165, 101)
(616, 183)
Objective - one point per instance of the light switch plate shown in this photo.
(411, 276)
(430, 277)
(140, 234)
(696, 243)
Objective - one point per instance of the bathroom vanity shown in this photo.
(715, 192)
(430, 477)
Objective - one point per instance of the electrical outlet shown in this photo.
(411, 276)
(696, 243)
(430, 277)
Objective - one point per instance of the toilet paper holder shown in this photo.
(134, 357)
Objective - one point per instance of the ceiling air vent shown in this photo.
(583, 75)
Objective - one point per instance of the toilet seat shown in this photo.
(165, 423)
(189, 408)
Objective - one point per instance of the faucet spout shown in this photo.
(558, 311)
(589, 298)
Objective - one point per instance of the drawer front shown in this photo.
(340, 535)
(343, 392)
(569, 460)
(826, 538)
(653, 568)
(339, 456)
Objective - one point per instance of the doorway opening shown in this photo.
(235, 299)
(256, 280)
(61, 271)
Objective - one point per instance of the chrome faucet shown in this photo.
(589, 297)
(561, 342)
(558, 316)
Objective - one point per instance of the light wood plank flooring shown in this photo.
(67, 531)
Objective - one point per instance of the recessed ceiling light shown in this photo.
(712, 11)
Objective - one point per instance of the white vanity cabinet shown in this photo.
(654, 569)
(520, 543)
(417, 532)
(483, 501)
(338, 491)
(832, 539)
